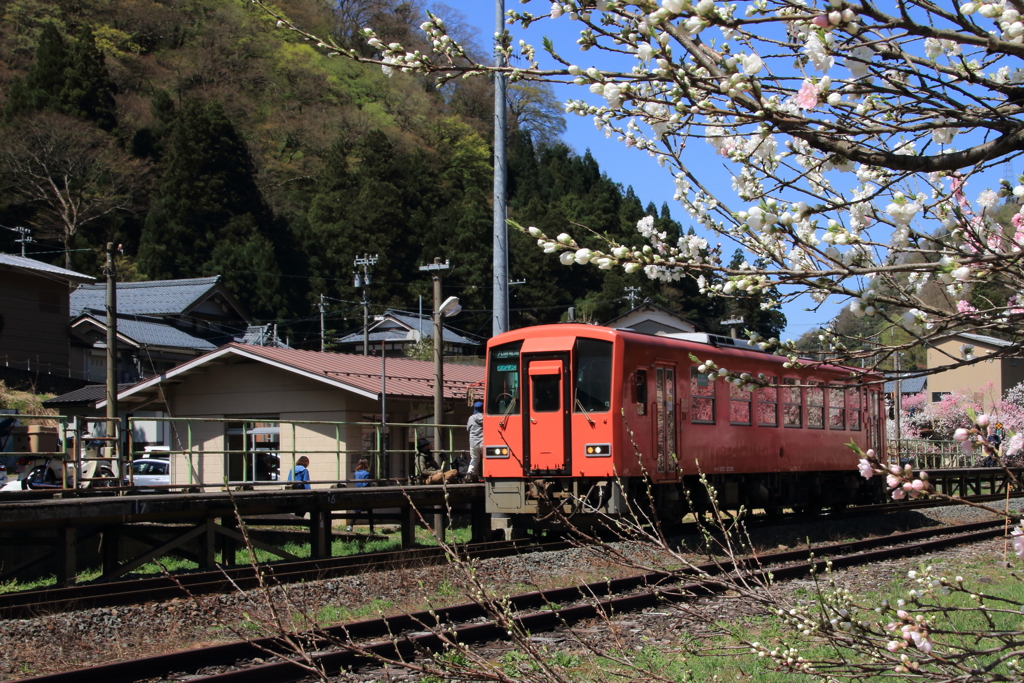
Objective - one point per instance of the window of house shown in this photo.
(792, 403)
(815, 406)
(768, 404)
(937, 395)
(702, 392)
(836, 407)
(739, 405)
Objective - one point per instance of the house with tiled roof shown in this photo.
(998, 365)
(35, 341)
(399, 330)
(160, 323)
(330, 400)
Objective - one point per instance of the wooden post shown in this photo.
(480, 522)
(208, 545)
(229, 546)
(320, 535)
(111, 549)
(67, 561)
(409, 520)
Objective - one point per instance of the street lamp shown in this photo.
(447, 309)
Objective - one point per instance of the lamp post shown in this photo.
(447, 309)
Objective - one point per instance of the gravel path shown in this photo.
(78, 639)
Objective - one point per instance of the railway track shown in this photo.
(266, 660)
(27, 604)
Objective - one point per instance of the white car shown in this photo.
(150, 472)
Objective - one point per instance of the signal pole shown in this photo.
(112, 419)
(363, 280)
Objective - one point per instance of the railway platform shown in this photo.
(55, 530)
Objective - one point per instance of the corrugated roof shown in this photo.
(983, 339)
(159, 297)
(149, 333)
(912, 385)
(411, 321)
(406, 378)
(85, 395)
(44, 269)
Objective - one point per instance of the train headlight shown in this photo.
(598, 450)
(496, 452)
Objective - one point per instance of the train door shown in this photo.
(874, 423)
(665, 421)
(547, 414)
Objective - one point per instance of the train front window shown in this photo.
(593, 376)
(503, 379)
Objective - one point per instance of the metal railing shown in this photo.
(80, 457)
(191, 438)
(928, 454)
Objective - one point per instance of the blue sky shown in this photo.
(651, 182)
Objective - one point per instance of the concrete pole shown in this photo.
(500, 262)
(111, 348)
(321, 322)
(438, 359)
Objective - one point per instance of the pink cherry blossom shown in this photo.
(865, 469)
(1018, 541)
(918, 485)
(983, 420)
(960, 435)
(898, 494)
(963, 307)
(821, 21)
(892, 481)
(807, 98)
(870, 453)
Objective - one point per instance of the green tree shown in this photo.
(87, 91)
(72, 81)
(208, 215)
(42, 88)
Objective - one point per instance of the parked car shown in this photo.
(150, 472)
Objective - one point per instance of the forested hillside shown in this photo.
(207, 141)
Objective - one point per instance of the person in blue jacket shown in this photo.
(362, 475)
(300, 473)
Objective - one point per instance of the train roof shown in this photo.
(722, 344)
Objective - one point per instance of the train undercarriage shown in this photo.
(541, 503)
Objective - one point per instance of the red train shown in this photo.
(577, 415)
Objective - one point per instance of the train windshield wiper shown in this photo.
(508, 411)
(584, 411)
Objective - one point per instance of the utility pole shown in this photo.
(732, 323)
(363, 280)
(631, 292)
(25, 236)
(321, 306)
(435, 269)
(500, 262)
(112, 351)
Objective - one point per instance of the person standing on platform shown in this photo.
(475, 427)
(300, 473)
(361, 475)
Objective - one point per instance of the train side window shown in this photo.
(640, 389)
(836, 407)
(768, 404)
(593, 390)
(792, 403)
(702, 398)
(853, 404)
(815, 406)
(739, 405)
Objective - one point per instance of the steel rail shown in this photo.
(33, 603)
(27, 604)
(408, 635)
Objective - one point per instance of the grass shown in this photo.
(339, 548)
